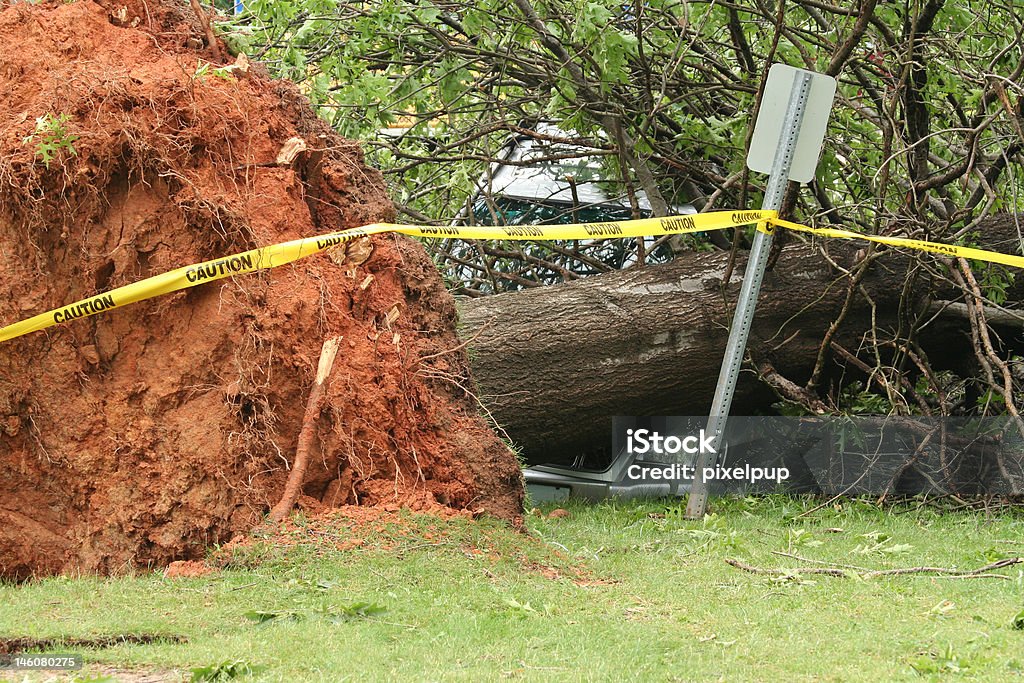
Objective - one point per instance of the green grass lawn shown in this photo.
(611, 592)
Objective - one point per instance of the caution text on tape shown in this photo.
(281, 254)
(286, 252)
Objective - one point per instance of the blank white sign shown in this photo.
(768, 128)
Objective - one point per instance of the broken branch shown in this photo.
(980, 572)
(308, 431)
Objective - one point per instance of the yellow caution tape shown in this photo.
(919, 245)
(286, 252)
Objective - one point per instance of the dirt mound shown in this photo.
(143, 435)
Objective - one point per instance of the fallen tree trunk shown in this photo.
(553, 365)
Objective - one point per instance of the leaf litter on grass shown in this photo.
(353, 529)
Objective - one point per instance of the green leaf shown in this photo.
(262, 617)
(897, 549)
(225, 671)
(358, 610)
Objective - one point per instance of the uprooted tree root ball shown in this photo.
(143, 435)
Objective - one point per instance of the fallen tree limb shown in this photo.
(821, 562)
(827, 571)
(309, 419)
(993, 315)
(789, 389)
(844, 571)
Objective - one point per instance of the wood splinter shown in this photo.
(309, 419)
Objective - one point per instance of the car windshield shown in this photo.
(547, 179)
(512, 211)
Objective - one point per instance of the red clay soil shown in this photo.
(141, 436)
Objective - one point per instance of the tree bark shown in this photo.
(554, 365)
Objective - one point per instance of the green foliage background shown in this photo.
(925, 138)
(927, 89)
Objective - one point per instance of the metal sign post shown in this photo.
(789, 145)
